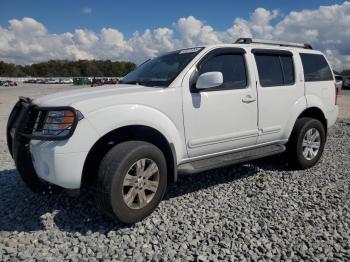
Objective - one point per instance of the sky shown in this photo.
(36, 31)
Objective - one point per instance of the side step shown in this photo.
(229, 159)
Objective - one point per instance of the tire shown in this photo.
(297, 154)
(122, 160)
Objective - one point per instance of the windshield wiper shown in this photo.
(144, 83)
(129, 82)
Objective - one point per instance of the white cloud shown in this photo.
(87, 10)
(326, 28)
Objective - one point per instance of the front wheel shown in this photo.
(132, 180)
(307, 141)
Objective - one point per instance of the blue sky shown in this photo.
(130, 16)
(37, 31)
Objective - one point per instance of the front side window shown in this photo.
(275, 69)
(316, 68)
(162, 70)
(232, 67)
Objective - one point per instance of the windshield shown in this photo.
(162, 70)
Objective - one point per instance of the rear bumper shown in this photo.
(332, 116)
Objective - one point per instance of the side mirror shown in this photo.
(209, 80)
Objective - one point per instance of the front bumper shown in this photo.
(62, 169)
(57, 162)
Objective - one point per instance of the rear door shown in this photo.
(279, 89)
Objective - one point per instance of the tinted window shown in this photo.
(275, 70)
(316, 68)
(232, 67)
(288, 69)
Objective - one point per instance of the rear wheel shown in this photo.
(307, 141)
(132, 180)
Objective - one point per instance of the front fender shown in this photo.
(108, 119)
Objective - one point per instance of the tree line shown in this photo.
(67, 68)
(80, 68)
(345, 73)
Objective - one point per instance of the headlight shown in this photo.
(55, 124)
(58, 123)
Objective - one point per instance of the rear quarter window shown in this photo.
(316, 68)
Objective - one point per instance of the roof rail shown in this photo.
(271, 42)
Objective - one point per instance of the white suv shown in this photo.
(183, 112)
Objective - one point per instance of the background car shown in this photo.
(30, 81)
(339, 81)
(346, 82)
(97, 82)
(110, 81)
(9, 83)
(66, 81)
(53, 81)
(41, 81)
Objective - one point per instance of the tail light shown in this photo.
(336, 94)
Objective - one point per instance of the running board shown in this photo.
(229, 159)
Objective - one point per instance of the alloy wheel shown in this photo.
(311, 143)
(140, 183)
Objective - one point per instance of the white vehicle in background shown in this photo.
(338, 81)
(186, 111)
(66, 81)
(52, 81)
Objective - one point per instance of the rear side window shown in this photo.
(275, 69)
(316, 68)
(232, 67)
(288, 69)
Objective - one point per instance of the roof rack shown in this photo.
(271, 42)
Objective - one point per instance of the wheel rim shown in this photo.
(311, 143)
(140, 183)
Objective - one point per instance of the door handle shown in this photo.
(248, 99)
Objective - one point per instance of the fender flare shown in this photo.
(133, 114)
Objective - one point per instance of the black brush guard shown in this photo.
(19, 132)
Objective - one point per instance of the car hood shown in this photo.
(89, 99)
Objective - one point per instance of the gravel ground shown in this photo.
(262, 210)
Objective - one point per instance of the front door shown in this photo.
(221, 118)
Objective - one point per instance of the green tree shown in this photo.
(64, 68)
